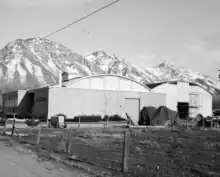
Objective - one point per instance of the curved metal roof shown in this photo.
(74, 80)
(153, 85)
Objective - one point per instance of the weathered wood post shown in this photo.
(5, 126)
(38, 135)
(13, 127)
(16, 131)
(79, 121)
(157, 171)
(107, 121)
(69, 142)
(126, 150)
(183, 174)
(186, 121)
(203, 121)
(63, 144)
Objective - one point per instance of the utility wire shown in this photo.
(96, 11)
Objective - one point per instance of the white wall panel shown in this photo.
(183, 92)
(171, 94)
(207, 105)
(97, 83)
(81, 84)
(111, 83)
(125, 84)
(92, 102)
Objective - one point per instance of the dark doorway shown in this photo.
(183, 109)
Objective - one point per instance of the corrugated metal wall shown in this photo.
(74, 102)
(11, 101)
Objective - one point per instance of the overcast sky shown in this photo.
(186, 32)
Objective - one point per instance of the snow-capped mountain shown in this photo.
(33, 62)
(165, 71)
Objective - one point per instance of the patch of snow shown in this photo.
(72, 70)
(11, 69)
(58, 53)
(54, 80)
(39, 74)
(121, 66)
(90, 58)
(86, 69)
(1, 72)
(104, 67)
(52, 67)
(46, 66)
(29, 66)
(135, 77)
(155, 71)
(67, 62)
(139, 68)
(22, 73)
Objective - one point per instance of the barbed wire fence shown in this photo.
(112, 148)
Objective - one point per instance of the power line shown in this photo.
(96, 11)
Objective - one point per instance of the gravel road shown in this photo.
(26, 164)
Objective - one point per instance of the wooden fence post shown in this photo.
(63, 144)
(69, 142)
(5, 126)
(13, 127)
(79, 122)
(38, 135)
(107, 121)
(51, 147)
(157, 171)
(16, 131)
(183, 174)
(187, 122)
(126, 150)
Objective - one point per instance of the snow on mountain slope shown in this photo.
(165, 71)
(34, 62)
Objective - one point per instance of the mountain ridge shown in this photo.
(34, 62)
(165, 71)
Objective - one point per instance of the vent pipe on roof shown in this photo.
(60, 78)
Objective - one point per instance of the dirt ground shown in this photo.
(177, 152)
(22, 163)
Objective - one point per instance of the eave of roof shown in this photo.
(153, 85)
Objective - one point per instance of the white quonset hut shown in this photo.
(94, 95)
(106, 82)
(186, 94)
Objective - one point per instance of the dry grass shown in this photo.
(176, 151)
